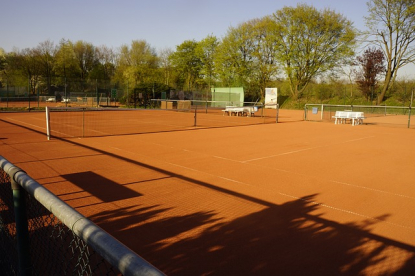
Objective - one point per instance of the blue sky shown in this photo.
(162, 23)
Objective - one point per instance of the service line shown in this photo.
(306, 149)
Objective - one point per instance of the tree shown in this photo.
(246, 56)
(105, 63)
(187, 63)
(391, 25)
(235, 55)
(47, 53)
(371, 66)
(165, 65)
(85, 56)
(265, 63)
(2, 66)
(137, 64)
(206, 50)
(310, 43)
(66, 64)
(27, 64)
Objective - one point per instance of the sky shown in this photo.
(161, 23)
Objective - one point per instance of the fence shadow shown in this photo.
(101, 187)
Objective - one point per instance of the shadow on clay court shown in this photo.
(104, 189)
(279, 240)
(286, 239)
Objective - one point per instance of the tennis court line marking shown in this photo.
(347, 211)
(285, 171)
(24, 123)
(306, 149)
(298, 198)
(311, 201)
(371, 189)
(280, 193)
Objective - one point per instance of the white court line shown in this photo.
(282, 194)
(306, 149)
(348, 211)
(286, 171)
(24, 123)
(371, 189)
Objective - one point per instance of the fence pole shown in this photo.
(410, 108)
(28, 94)
(83, 122)
(22, 232)
(278, 110)
(305, 112)
(195, 116)
(409, 117)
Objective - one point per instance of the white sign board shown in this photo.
(271, 97)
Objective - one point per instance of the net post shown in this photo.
(278, 110)
(47, 122)
(409, 117)
(305, 112)
(83, 122)
(195, 124)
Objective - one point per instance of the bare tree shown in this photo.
(391, 26)
(47, 51)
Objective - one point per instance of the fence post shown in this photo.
(278, 110)
(195, 124)
(22, 232)
(305, 112)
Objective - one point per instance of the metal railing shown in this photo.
(42, 235)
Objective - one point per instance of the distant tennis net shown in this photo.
(76, 122)
(399, 116)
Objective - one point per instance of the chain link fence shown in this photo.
(42, 235)
(396, 116)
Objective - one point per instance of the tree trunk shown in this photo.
(385, 87)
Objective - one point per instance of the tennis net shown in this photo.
(77, 122)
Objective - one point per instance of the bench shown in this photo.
(234, 110)
(356, 118)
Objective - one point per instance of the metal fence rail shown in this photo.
(42, 235)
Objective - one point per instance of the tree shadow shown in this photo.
(287, 239)
(279, 240)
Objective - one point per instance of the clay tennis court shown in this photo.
(293, 198)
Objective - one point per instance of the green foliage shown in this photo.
(297, 49)
(144, 92)
(310, 43)
(206, 50)
(137, 64)
(188, 64)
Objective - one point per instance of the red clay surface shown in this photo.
(293, 198)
